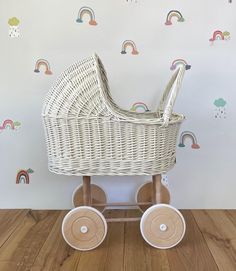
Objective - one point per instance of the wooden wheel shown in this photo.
(84, 228)
(144, 194)
(162, 226)
(97, 194)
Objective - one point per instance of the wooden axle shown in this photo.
(121, 204)
(123, 219)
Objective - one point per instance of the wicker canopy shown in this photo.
(88, 134)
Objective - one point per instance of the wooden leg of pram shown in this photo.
(87, 190)
(158, 189)
(153, 191)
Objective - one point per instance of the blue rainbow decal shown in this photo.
(129, 43)
(187, 134)
(176, 14)
(179, 61)
(88, 11)
(40, 63)
(22, 176)
(139, 105)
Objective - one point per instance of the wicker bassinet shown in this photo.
(88, 134)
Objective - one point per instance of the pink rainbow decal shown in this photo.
(219, 35)
(176, 14)
(179, 61)
(88, 11)
(190, 135)
(139, 105)
(7, 124)
(129, 43)
(42, 62)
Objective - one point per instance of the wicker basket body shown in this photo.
(88, 134)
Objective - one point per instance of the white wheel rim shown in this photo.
(74, 211)
(148, 211)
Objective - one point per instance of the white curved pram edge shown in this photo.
(65, 81)
(162, 116)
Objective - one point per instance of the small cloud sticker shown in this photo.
(13, 21)
(14, 31)
(220, 102)
(220, 109)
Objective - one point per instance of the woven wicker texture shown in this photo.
(88, 134)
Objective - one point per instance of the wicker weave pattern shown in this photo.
(88, 134)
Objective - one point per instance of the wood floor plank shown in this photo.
(22, 247)
(55, 253)
(32, 240)
(136, 255)
(192, 253)
(220, 234)
(109, 255)
(158, 259)
(149, 258)
(231, 215)
(9, 221)
(115, 242)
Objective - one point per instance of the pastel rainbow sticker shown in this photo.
(187, 134)
(22, 176)
(139, 105)
(174, 14)
(219, 35)
(129, 43)
(88, 11)
(179, 61)
(10, 125)
(40, 63)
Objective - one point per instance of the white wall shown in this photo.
(202, 178)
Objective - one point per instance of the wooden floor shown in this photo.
(32, 240)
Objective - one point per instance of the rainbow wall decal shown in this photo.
(9, 124)
(88, 11)
(179, 61)
(172, 14)
(219, 35)
(139, 105)
(22, 176)
(40, 63)
(187, 134)
(129, 43)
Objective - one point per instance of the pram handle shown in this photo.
(170, 94)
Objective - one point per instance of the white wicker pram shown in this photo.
(88, 134)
